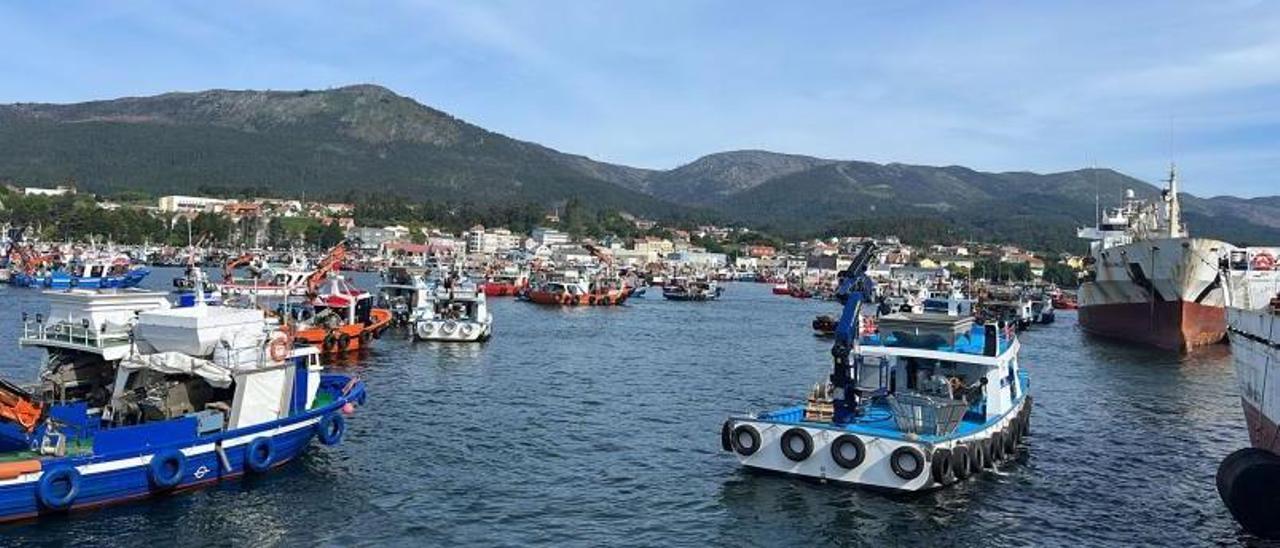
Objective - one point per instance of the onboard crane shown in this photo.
(855, 288)
(20, 407)
(331, 262)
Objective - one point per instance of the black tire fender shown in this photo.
(961, 461)
(752, 436)
(940, 469)
(806, 444)
(726, 430)
(910, 453)
(848, 440)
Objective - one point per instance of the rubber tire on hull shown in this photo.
(837, 451)
(997, 447)
(907, 473)
(726, 431)
(941, 467)
(330, 429)
(167, 468)
(1249, 484)
(259, 454)
(806, 444)
(751, 433)
(961, 462)
(53, 497)
(978, 455)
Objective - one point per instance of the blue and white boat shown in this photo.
(202, 394)
(927, 400)
(89, 275)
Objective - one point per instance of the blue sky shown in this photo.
(1039, 86)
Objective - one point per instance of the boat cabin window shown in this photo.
(364, 308)
(941, 378)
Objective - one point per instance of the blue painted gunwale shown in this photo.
(120, 476)
(883, 425)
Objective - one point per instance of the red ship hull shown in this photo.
(1171, 325)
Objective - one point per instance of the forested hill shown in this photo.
(367, 143)
(362, 139)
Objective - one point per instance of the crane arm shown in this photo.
(20, 407)
(855, 288)
(331, 262)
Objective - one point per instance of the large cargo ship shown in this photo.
(1249, 479)
(1148, 281)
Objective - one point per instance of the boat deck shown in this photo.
(877, 420)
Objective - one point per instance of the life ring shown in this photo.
(167, 468)
(1262, 261)
(907, 462)
(788, 442)
(259, 454)
(58, 488)
(941, 467)
(746, 440)
(840, 448)
(330, 429)
(279, 348)
(961, 462)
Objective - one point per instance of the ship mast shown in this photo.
(1173, 209)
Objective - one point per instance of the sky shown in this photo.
(1012, 86)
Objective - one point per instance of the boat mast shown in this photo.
(1173, 208)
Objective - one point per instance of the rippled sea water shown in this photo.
(594, 426)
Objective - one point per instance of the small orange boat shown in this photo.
(577, 294)
(342, 319)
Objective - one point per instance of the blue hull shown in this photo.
(125, 474)
(60, 280)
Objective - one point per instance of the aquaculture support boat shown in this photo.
(577, 293)
(203, 394)
(453, 311)
(929, 400)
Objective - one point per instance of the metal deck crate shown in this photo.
(929, 415)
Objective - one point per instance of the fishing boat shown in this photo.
(1148, 281)
(265, 280)
(506, 283)
(339, 318)
(927, 401)
(1063, 301)
(781, 288)
(403, 290)
(577, 293)
(453, 311)
(93, 273)
(685, 289)
(1248, 479)
(201, 394)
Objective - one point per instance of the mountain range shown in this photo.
(367, 140)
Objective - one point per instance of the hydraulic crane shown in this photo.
(855, 289)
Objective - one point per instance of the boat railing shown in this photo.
(37, 332)
(924, 414)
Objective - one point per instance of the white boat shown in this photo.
(452, 311)
(930, 400)
(1249, 479)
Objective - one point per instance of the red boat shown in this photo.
(505, 285)
(800, 293)
(781, 288)
(577, 294)
(1063, 302)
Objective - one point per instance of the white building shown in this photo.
(491, 242)
(549, 236)
(58, 191)
(191, 204)
(698, 259)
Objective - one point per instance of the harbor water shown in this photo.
(600, 426)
